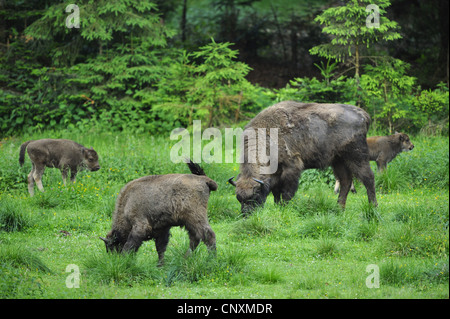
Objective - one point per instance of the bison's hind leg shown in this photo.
(344, 176)
(368, 179)
(364, 173)
(201, 232)
(209, 238)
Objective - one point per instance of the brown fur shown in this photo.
(56, 153)
(383, 149)
(149, 206)
(310, 135)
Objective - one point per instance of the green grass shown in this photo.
(308, 248)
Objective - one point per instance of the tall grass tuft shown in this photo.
(203, 265)
(17, 256)
(390, 180)
(315, 201)
(369, 212)
(116, 268)
(326, 247)
(260, 223)
(12, 217)
(321, 225)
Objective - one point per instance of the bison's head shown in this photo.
(91, 159)
(406, 142)
(250, 192)
(113, 242)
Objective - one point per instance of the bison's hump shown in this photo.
(291, 114)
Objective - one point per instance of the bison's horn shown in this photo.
(257, 180)
(104, 239)
(230, 180)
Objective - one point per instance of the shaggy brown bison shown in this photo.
(383, 149)
(59, 153)
(149, 206)
(310, 135)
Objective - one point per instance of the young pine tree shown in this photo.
(353, 27)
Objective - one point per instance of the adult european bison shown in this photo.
(149, 206)
(310, 135)
(59, 153)
(383, 149)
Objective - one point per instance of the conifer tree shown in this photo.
(353, 27)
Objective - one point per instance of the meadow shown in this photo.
(308, 248)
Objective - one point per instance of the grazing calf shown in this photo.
(382, 150)
(59, 153)
(149, 206)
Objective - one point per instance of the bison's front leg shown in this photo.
(64, 171)
(289, 178)
(137, 235)
(73, 173)
(161, 241)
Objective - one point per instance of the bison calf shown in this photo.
(59, 153)
(148, 207)
(383, 149)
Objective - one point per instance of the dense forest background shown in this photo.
(151, 66)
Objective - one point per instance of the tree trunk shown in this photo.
(183, 22)
(358, 88)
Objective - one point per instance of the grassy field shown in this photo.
(306, 249)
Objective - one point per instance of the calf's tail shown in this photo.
(197, 170)
(23, 148)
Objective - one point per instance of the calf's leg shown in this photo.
(344, 175)
(31, 182)
(37, 176)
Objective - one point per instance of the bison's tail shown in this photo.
(195, 168)
(23, 147)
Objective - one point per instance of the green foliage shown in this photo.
(387, 90)
(220, 82)
(347, 27)
(432, 110)
(207, 84)
(340, 90)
